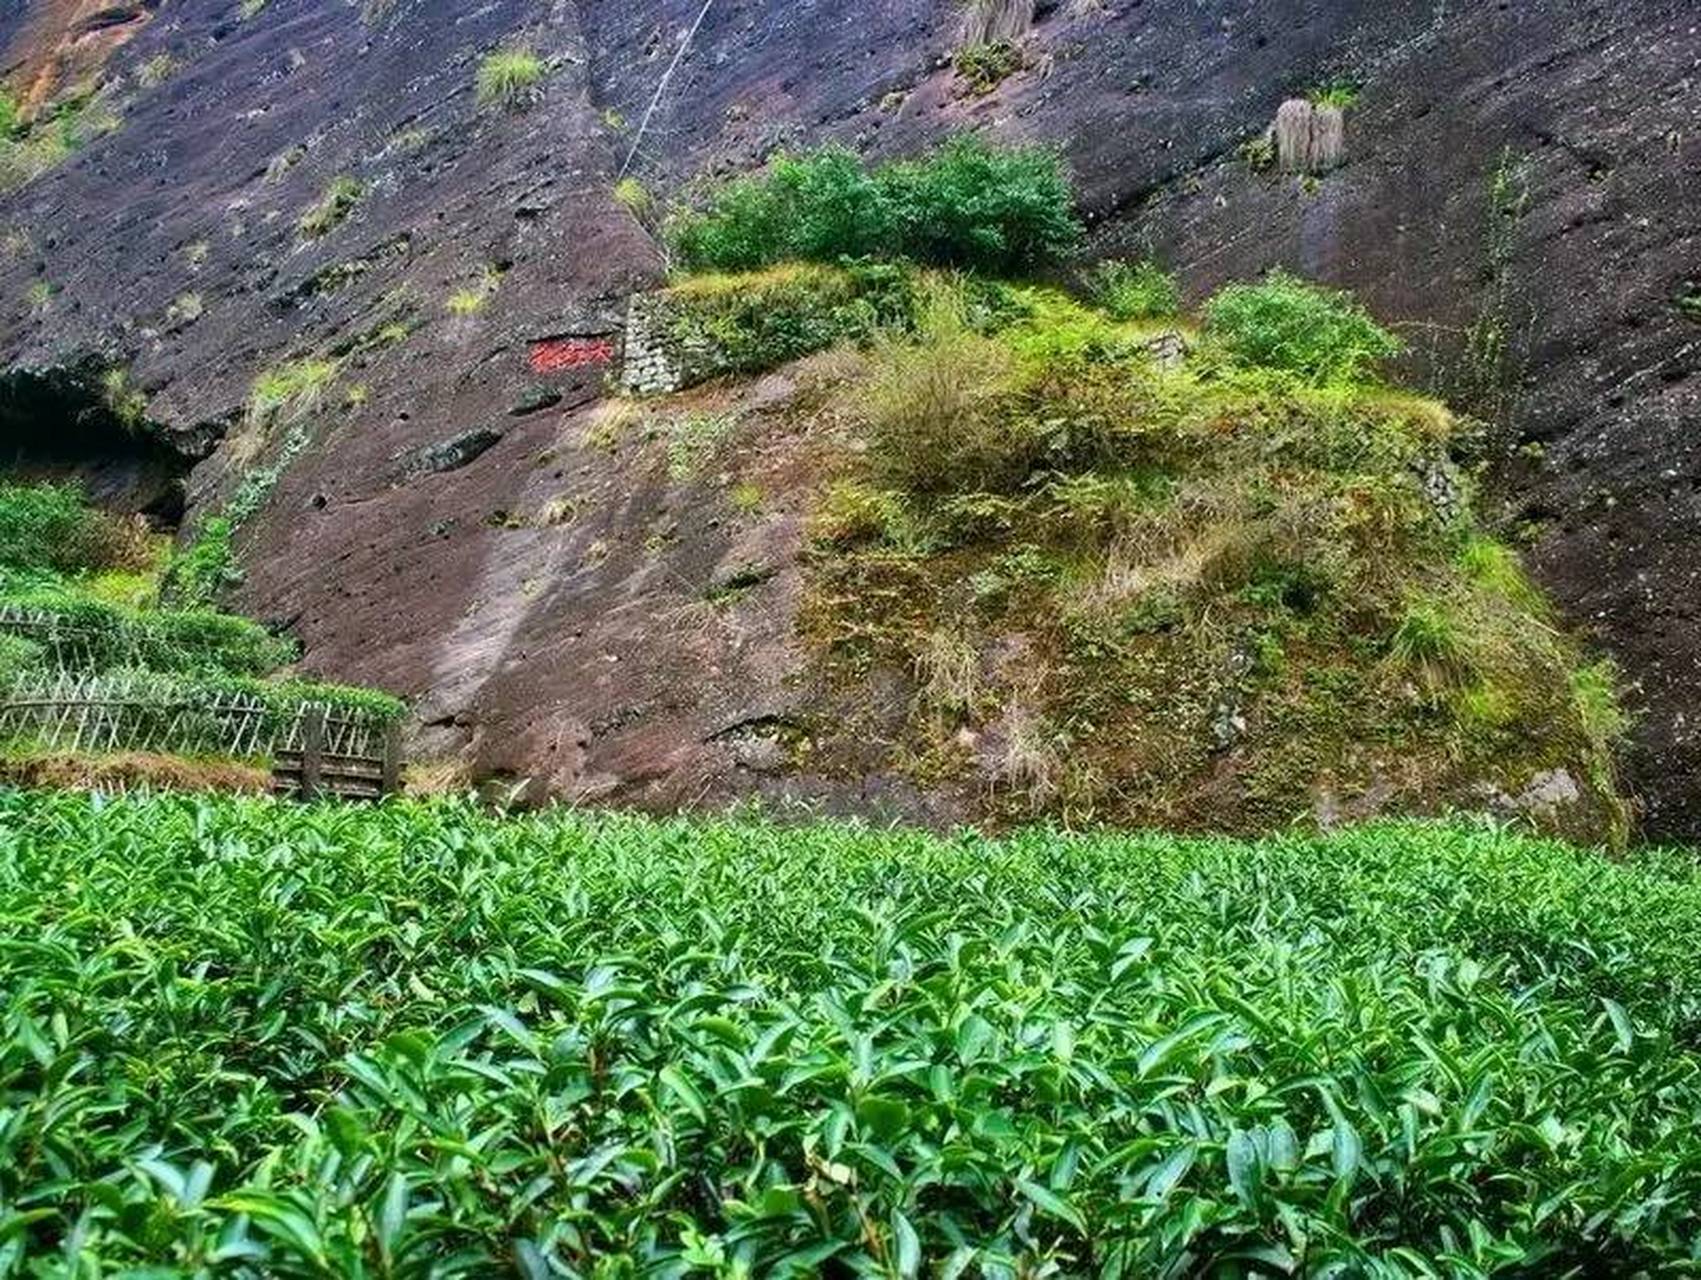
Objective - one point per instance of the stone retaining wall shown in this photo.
(654, 361)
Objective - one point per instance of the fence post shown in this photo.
(392, 782)
(312, 750)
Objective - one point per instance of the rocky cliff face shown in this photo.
(1517, 193)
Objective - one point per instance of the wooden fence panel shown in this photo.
(319, 748)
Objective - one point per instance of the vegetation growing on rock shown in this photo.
(1222, 595)
(332, 208)
(284, 1041)
(509, 77)
(1287, 324)
(1135, 290)
(473, 298)
(32, 146)
(966, 204)
(744, 324)
(983, 67)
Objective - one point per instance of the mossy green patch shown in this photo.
(719, 324)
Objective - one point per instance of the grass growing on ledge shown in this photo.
(984, 67)
(471, 299)
(332, 209)
(339, 1041)
(1337, 93)
(30, 147)
(1225, 595)
(290, 391)
(509, 78)
(634, 197)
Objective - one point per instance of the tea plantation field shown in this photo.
(240, 1038)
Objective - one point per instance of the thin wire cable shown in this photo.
(661, 88)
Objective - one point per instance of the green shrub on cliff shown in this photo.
(965, 204)
(1285, 323)
(971, 204)
(50, 527)
(818, 206)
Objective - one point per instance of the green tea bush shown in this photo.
(1288, 324)
(51, 527)
(202, 713)
(19, 654)
(254, 1039)
(91, 635)
(203, 568)
(966, 204)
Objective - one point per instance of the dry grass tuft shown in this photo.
(608, 422)
(934, 413)
(130, 771)
(1026, 761)
(949, 670)
(447, 777)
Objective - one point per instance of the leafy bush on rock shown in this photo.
(966, 204)
(1285, 323)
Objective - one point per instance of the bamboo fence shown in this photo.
(68, 646)
(140, 711)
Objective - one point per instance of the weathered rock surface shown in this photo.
(453, 453)
(1518, 194)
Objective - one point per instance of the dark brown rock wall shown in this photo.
(1518, 194)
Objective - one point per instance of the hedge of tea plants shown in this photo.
(243, 1038)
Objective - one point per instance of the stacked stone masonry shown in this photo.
(655, 361)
